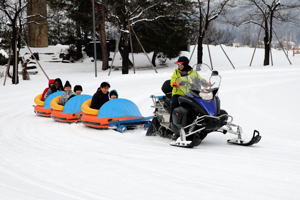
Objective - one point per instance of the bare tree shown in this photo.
(208, 11)
(13, 10)
(263, 13)
(126, 14)
(102, 12)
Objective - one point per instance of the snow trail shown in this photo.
(43, 159)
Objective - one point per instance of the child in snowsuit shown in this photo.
(77, 91)
(50, 84)
(113, 94)
(101, 96)
(67, 93)
(56, 86)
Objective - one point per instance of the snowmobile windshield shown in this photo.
(196, 85)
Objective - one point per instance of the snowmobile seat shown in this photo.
(167, 89)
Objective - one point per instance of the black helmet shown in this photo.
(183, 60)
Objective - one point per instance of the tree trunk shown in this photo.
(200, 50)
(38, 26)
(102, 35)
(124, 49)
(154, 58)
(15, 78)
(267, 45)
(25, 74)
(267, 55)
(78, 43)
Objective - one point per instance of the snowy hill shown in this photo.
(44, 160)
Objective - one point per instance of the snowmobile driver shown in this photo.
(183, 70)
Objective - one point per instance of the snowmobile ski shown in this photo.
(255, 139)
(184, 144)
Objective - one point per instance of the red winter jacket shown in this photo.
(51, 81)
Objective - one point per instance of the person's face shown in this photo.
(67, 89)
(180, 67)
(104, 90)
(113, 97)
(56, 84)
(78, 92)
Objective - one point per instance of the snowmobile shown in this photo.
(198, 115)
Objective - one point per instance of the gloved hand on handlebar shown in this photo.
(176, 85)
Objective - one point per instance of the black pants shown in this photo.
(174, 104)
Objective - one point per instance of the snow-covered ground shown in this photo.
(44, 160)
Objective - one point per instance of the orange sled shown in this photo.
(42, 108)
(41, 111)
(69, 113)
(117, 114)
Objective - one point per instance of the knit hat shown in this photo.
(113, 92)
(67, 84)
(182, 60)
(77, 87)
(50, 82)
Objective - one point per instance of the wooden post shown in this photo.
(210, 59)
(114, 56)
(227, 56)
(144, 50)
(255, 47)
(282, 48)
(35, 58)
(131, 46)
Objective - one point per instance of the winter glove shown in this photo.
(176, 85)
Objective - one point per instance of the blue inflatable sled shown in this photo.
(118, 114)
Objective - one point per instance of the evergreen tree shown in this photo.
(166, 35)
(127, 14)
(77, 22)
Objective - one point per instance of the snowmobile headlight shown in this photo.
(207, 96)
